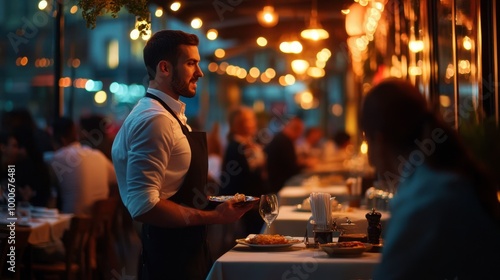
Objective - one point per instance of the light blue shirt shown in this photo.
(438, 230)
(151, 154)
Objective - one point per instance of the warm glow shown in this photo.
(270, 72)
(100, 97)
(289, 79)
(42, 5)
(450, 71)
(113, 54)
(250, 79)
(220, 53)
(75, 63)
(300, 66)
(306, 100)
(444, 100)
(65, 82)
(146, 34)
(345, 11)
(212, 67)
(175, 6)
(261, 41)
(337, 110)
(314, 33)
(315, 72)
(212, 34)
(416, 46)
(23, 61)
(159, 12)
(467, 43)
(320, 64)
(223, 66)
(254, 72)
(363, 148)
(264, 78)
(291, 47)
(74, 9)
(259, 106)
(134, 34)
(415, 70)
(267, 17)
(463, 66)
(196, 23)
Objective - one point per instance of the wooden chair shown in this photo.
(76, 245)
(21, 239)
(103, 258)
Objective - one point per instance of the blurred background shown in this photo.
(311, 58)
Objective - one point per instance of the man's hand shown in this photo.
(230, 211)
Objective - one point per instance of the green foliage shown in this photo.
(91, 9)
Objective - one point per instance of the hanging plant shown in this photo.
(91, 9)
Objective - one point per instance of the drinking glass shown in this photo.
(269, 208)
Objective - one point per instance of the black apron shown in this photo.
(180, 253)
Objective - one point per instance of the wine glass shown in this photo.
(268, 208)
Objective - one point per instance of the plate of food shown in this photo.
(238, 198)
(268, 241)
(345, 249)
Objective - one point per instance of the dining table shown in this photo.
(44, 226)
(294, 262)
(294, 221)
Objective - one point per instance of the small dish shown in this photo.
(337, 249)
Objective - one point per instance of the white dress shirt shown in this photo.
(84, 176)
(150, 153)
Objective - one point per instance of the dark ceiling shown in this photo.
(236, 19)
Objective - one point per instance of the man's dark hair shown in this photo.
(164, 45)
(63, 128)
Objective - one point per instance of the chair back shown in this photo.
(103, 258)
(76, 242)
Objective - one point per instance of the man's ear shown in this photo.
(164, 67)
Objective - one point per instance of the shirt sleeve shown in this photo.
(148, 155)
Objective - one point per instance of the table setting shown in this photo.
(279, 254)
(45, 224)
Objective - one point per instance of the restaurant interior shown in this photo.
(315, 59)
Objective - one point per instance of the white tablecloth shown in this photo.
(292, 222)
(296, 262)
(293, 195)
(45, 230)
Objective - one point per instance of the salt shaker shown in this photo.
(374, 227)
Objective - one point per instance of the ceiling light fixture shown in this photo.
(314, 31)
(267, 17)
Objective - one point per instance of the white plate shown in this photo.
(291, 241)
(223, 198)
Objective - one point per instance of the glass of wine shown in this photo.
(269, 208)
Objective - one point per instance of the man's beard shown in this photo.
(180, 87)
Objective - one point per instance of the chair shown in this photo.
(76, 246)
(22, 235)
(103, 258)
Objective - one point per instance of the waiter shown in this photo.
(161, 165)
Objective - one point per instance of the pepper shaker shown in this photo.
(374, 227)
